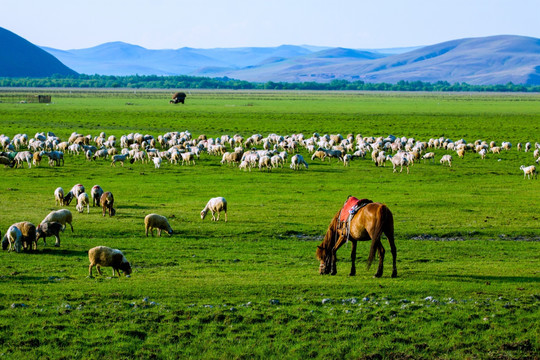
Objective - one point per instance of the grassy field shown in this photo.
(468, 281)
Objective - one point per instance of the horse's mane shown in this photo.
(329, 238)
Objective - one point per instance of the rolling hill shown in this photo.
(478, 61)
(20, 58)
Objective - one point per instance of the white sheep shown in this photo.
(215, 205)
(121, 159)
(77, 190)
(188, 157)
(429, 156)
(155, 221)
(347, 159)
(96, 193)
(82, 201)
(157, 162)
(296, 161)
(14, 237)
(529, 171)
(446, 159)
(59, 196)
(245, 165)
(276, 161)
(265, 162)
(482, 153)
(400, 159)
(23, 156)
(105, 256)
(62, 216)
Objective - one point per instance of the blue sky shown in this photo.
(171, 24)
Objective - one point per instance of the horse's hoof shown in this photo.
(377, 275)
(352, 274)
(394, 274)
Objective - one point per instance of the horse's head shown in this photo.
(324, 257)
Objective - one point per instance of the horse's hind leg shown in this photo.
(390, 235)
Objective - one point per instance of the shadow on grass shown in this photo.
(489, 278)
(58, 252)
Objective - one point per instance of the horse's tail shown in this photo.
(383, 214)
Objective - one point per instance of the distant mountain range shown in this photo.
(479, 61)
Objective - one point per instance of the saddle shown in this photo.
(348, 211)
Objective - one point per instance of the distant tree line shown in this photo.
(196, 82)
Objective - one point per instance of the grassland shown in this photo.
(467, 236)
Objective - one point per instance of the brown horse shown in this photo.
(369, 223)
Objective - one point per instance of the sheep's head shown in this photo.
(125, 267)
(68, 198)
(203, 214)
(5, 243)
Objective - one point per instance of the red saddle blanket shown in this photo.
(351, 206)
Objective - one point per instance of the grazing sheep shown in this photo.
(529, 171)
(96, 193)
(400, 160)
(319, 154)
(155, 221)
(59, 196)
(36, 158)
(4, 160)
(245, 165)
(62, 216)
(429, 156)
(296, 161)
(215, 205)
(482, 153)
(14, 237)
(22, 157)
(105, 256)
(347, 159)
(121, 159)
(49, 229)
(276, 161)
(77, 190)
(188, 157)
(157, 162)
(82, 201)
(446, 159)
(265, 162)
(107, 202)
(28, 234)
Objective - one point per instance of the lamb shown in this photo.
(62, 216)
(529, 171)
(245, 165)
(36, 158)
(482, 153)
(49, 229)
(59, 196)
(446, 159)
(96, 193)
(400, 160)
(83, 200)
(155, 221)
(296, 161)
(215, 205)
(107, 202)
(14, 238)
(28, 231)
(105, 256)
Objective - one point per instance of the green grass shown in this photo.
(467, 236)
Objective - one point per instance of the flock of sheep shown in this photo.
(266, 153)
(25, 235)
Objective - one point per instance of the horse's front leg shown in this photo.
(333, 265)
(353, 259)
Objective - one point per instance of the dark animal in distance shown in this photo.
(178, 97)
(369, 223)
